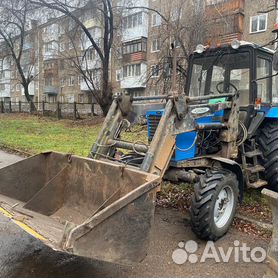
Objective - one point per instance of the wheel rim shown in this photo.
(224, 206)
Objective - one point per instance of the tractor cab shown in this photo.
(243, 67)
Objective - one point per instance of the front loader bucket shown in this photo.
(81, 206)
(272, 270)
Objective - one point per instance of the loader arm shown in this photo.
(157, 155)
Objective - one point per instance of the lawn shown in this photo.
(33, 134)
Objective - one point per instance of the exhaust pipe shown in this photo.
(272, 269)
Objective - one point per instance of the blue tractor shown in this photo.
(231, 97)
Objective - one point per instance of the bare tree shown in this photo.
(81, 58)
(180, 25)
(75, 12)
(15, 33)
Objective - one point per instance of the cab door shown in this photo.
(263, 86)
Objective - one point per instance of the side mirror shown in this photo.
(275, 61)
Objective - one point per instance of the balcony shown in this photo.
(50, 90)
(84, 86)
(134, 57)
(51, 33)
(132, 82)
(96, 33)
(50, 54)
(5, 76)
(133, 3)
(224, 30)
(225, 7)
(135, 21)
(27, 46)
(50, 71)
(133, 33)
(5, 92)
(6, 66)
(91, 64)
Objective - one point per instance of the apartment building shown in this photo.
(248, 20)
(141, 47)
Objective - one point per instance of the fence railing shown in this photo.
(59, 110)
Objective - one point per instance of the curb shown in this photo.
(260, 224)
(15, 151)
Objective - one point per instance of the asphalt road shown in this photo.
(23, 256)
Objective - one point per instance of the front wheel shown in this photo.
(214, 204)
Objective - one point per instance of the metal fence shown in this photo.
(59, 110)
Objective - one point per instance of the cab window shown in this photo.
(264, 85)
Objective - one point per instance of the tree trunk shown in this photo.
(106, 91)
(29, 99)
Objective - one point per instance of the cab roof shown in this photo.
(242, 44)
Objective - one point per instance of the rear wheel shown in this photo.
(214, 204)
(268, 142)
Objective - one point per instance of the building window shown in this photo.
(70, 98)
(52, 99)
(62, 46)
(119, 52)
(2, 74)
(258, 23)
(132, 70)
(155, 45)
(137, 93)
(176, 14)
(118, 75)
(71, 81)
(155, 71)
(49, 81)
(70, 45)
(156, 19)
(63, 82)
(49, 47)
(213, 2)
(79, 79)
(176, 43)
(90, 54)
(62, 64)
(81, 98)
(133, 20)
(18, 87)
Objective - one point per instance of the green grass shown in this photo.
(34, 135)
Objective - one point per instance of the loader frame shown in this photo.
(176, 119)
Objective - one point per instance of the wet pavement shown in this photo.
(23, 256)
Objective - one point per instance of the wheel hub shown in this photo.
(223, 206)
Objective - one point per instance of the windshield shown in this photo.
(214, 74)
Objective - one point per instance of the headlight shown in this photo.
(235, 44)
(200, 48)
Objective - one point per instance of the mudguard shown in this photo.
(272, 113)
(234, 167)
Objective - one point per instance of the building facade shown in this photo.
(141, 46)
(248, 20)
